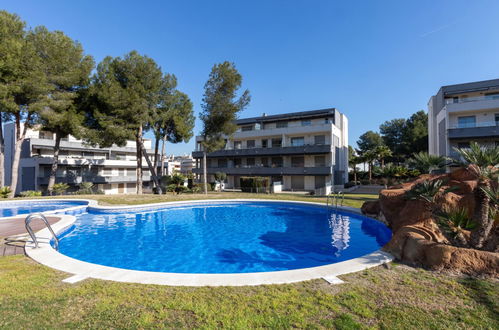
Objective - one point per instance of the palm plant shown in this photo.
(454, 221)
(483, 163)
(428, 192)
(426, 163)
(370, 156)
(382, 153)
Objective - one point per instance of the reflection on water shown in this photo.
(340, 236)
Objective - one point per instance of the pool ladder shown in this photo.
(40, 216)
(335, 198)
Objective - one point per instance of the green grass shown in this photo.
(353, 200)
(33, 296)
(397, 297)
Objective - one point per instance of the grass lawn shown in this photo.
(394, 297)
(33, 296)
(353, 200)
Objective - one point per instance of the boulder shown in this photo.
(416, 237)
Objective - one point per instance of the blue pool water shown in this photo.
(225, 237)
(9, 209)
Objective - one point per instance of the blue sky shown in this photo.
(373, 60)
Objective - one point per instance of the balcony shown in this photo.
(79, 146)
(480, 130)
(306, 149)
(265, 171)
(96, 179)
(473, 103)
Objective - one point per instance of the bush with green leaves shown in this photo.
(426, 163)
(85, 188)
(60, 188)
(5, 191)
(453, 222)
(30, 193)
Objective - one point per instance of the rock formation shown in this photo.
(416, 237)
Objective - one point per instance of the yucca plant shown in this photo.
(483, 163)
(426, 163)
(5, 191)
(454, 221)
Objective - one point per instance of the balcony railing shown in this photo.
(305, 149)
(267, 171)
(289, 125)
(471, 99)
(474, 125)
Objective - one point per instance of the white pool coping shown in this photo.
(48, 256)
(90, 203)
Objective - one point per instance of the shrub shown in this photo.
(254, 184)
(30, 193)
(85, 188)
(364, 182)
(196, 189)
(349, 184)
(60, 188)
(5, 191)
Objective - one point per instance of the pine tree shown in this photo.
(173, 120)
(67, 70)
(121, 104)
(220, 108)
(22, 83)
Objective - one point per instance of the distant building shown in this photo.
(112, 170)
(459, 114)
(304, 151)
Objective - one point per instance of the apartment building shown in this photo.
(459, 114)
(112, 170)
(304, 151)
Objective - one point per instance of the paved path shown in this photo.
(13, 227)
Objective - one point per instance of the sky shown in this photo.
(372, 60)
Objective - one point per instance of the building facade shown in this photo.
(305, 151)
(111, 170)
(459, 114)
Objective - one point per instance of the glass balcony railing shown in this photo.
(471, 99)
(475, 125)
(289, 125)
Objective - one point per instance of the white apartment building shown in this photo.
(305, 151)
(112, 170)
(459, 114)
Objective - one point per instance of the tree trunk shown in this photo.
(151, 167)
(156, 152)
(53, 170)
(355, 175)
(481, 217)
(17, 153)
(163, 156)
(2, 157)
(138, 139)
(382, 163)
(205, 180)
(370, 172)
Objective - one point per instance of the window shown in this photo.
(250, 144)
(276, 161)
(264, 143)
(328, 121)
(247, 128)
(237, 145)
(306, 122)
(497, 119)
(131, 172)
(467, 121)
(297, 161)
(320, 139)
(108, 171)
(250, 161)
(281, 124)
(222, 163)
(121, 172)
(87, 154)
(297, 141)
(320, 182)
(237, 162)
(264, 161)
(320, 161)
(276, 143)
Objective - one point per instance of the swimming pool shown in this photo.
(222, 237)
(14, 208)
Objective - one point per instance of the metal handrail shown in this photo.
(335, 198)
(33, 216)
